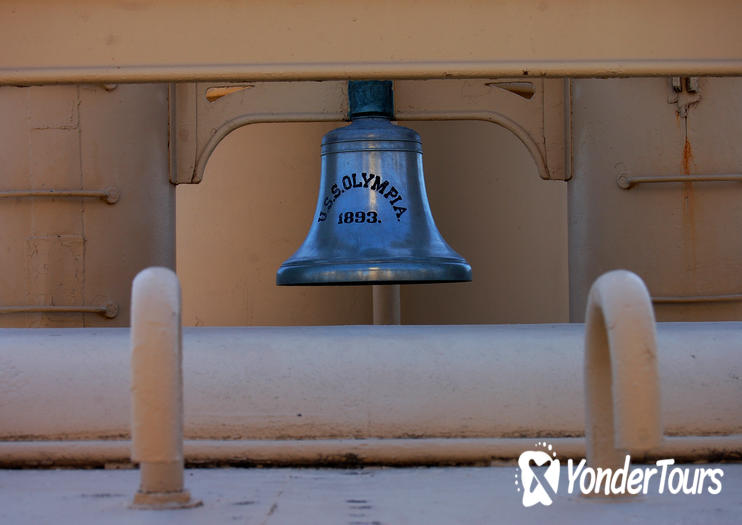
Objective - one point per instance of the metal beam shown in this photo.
(202, 114)
(43, 41)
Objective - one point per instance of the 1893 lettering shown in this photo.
(358, 216)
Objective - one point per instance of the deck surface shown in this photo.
(349, 497)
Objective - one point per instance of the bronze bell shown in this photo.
(373, 223)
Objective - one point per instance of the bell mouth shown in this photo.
(389, 271)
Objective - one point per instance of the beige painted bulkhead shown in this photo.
(259, 193)
(82, 251)
(681, 238)
(482, 184)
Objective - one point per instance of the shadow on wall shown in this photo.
(257, 200)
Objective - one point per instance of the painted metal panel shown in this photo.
(66, 257)
(145, 40)
(680, 237)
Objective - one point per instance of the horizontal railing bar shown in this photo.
(626, 182)
(110, 310)
(110, 195)
(680, 299)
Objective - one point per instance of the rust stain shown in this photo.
(687, 156)
(688, 207)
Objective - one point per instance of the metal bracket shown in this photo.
(685, 94)
(202, 114)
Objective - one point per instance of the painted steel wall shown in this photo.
(682, 239)
(75, 251)
(253, 210)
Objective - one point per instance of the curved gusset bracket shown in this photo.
(534, 111)
(202, 114)
(621, 382)
(495, 118)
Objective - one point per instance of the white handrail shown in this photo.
(157, 390)
(621, 381)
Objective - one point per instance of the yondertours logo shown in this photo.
(539, 485)
(537, 478)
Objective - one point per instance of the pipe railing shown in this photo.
(157, 391)
(622, 406)
(620, 372)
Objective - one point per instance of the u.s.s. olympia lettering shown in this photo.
(368, 181)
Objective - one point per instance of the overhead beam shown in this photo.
(44, 41)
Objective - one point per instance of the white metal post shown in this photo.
(157, 391)
(622, 406)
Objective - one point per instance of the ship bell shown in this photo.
(372, 224)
